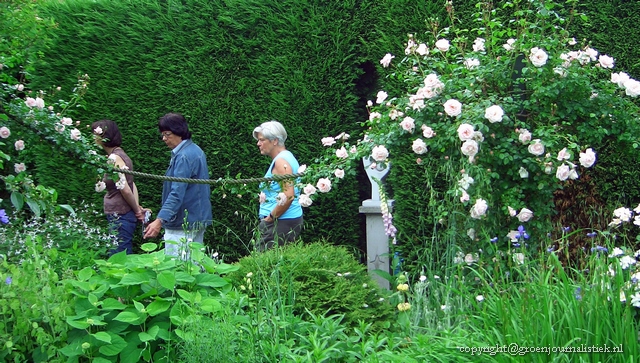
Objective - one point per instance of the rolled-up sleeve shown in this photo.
(173, 203)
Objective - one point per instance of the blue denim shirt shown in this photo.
(187, 161)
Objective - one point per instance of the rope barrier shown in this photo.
(276, 177)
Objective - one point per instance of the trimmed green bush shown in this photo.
(317, 279)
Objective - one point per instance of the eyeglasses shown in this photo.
(165, 134)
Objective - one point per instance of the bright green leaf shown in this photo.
(149, 247)
(158, 307)
(102, 336)
(116, 346)
(167, 280)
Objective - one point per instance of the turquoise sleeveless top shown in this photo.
(272, 188)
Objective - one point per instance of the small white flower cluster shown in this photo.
(624, 215)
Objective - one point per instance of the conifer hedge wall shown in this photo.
(229, 65)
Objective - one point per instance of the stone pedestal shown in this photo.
(377, 241)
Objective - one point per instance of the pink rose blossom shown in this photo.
(619, 78)
(19, 168)
(632, 88)
(386, 60)
(379, 153)
(470, 148)
(353, 149)
(281, 199)
(342, 153)
(328, 141)
(324, 185)
(443, 45)
(304, 200)
(31, 102)
(408, 124)
(465, 132)
(525, 136)
(59, 128)
(302, 168)
(97, 130)
(339, 173)
(75, 134)
(479, 209)
(471, 63)
(419, 147)
(538, 57)
(563, 172)
(536, 148)
(564, 154)
(422, 49)
(525, 215)
(573, 174)
(606, 61)
(587, 158)
(67, 121)
(394, 114)
(4, 132)
(19, 145)
(494, 113)
(453, 107)
(39, 103)
(374, 115)
(464, 197)
(478, 45)
(509, 44)
(20, 87)
(100, 186)
(512, 212)
(381, 96)
(427, 132)
(343, 136)
(309, 189)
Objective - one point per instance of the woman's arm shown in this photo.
(282, 167)
(130, 196)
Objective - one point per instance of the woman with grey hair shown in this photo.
(280, 213)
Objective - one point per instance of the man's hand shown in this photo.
(153, 229)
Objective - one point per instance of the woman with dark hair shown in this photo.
(121, 201)
(180, 200)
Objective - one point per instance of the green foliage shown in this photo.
(316, 278)
(135, 305)
(33, 307)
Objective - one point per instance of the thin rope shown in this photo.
(275, 177)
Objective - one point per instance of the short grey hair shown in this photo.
(272, 130)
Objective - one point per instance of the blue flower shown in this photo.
(578, 293)
(521, 233)
(599, 249)
(3, 216)
(592, 234)
(566, 229)
(494, 240)
(8, 280)
(551, 248)
(516, 244)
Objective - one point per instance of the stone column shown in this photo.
(377, 241)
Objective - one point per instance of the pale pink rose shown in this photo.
(536, 148)
(353, 149)
(122, 181)
(512, 212)
(478, 136)
(323, 185)
(418, 105)
(479, 209)
(379, 153)
(431, 81)
(494, 113)
(394, 114)
(470, 148)
(19, 168)
(343, 136)
(587, 158)
(369, 103)
(328, 141)
(381, 96)
(548, 168)
(573, 174)
(538, 57)
(464, 197)
(509, 44)
(39, 103)
(425, 93)
(592, 53)
(20, 87)
(67, 121)
(31, 102)
(465, 132)
(419, 147)
(427, 132)
(262, 197)
(525, 136)
(478, 45)
(302, 168)
(452, 107)
(523, 173)
(111, 159)
(525, 215)
(564, 155)
(281, 199)
(619, 78)
(632, 88)
(606, 61)
(97, 130)
(342, 153)
(471, 63)
(563, 172)
(410, 46)
(59, 128)
(386, 60)
(304, 200)
(50, 108)
(100, 186)
(75, 134)
(4, 132)
(408, 124)
(572, 41)
(19, 145)
(374, 115)
(518, 258)
(422, 49)
(339, 173)
(443, 45)
(309, 189)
